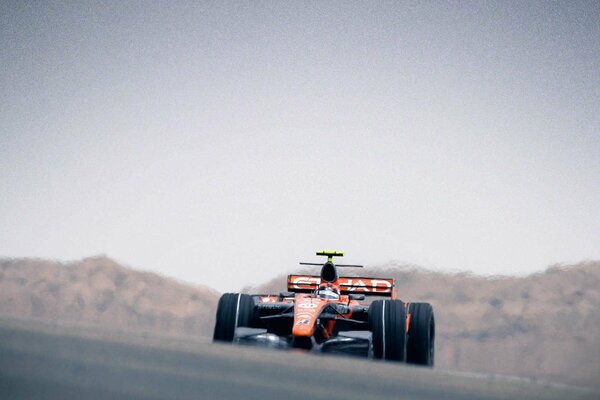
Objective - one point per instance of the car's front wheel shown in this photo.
(387, 321)
(234, 309)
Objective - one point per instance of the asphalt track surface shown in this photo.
(41, 361)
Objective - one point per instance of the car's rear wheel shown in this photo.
(234, 309)
(387, 321)
(421, 334)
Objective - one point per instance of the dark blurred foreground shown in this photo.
(42, 361)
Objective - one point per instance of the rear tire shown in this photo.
(234, 309)
(387, 321)
(421, 335)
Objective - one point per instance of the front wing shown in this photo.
(357, 343)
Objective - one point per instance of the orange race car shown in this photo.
(323, 314)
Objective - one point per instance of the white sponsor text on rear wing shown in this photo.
(348, 285)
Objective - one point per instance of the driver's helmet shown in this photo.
(328, 293)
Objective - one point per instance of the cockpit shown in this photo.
(327, 294)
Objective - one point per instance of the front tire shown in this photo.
(234, 309)
(387, 321)
(421, 334)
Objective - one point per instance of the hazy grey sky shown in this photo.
(221, 143)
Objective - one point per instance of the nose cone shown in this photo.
(329, 273)
(306, 311)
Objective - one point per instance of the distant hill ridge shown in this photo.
(97, 290)
(545, 325)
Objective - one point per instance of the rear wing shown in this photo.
(348, 285)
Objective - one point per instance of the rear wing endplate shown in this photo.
(348, 285)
